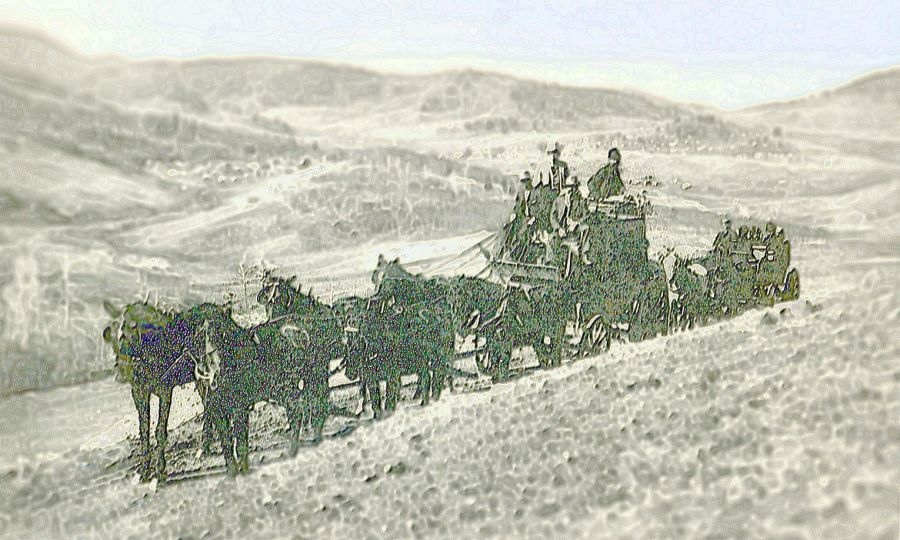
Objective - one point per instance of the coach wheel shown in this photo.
(493, 364)
(597, 336)
(485, 362)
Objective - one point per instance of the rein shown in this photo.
(260, 326)
(254, 329)
(175, 363)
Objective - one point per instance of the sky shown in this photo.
(728, 54)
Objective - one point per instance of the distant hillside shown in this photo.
(108, 189)
(868, 104)
(249, 86)
(126, 138)
(351, 106)
(119, 177)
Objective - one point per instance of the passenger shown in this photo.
(545, 238)
(559, 169)
(523, 198)
(578, 220)
(517, 236)
(607, 182)
(559, 213)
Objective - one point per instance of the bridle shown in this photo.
(205, 376)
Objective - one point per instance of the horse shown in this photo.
(508, 317)
(309, 332)
(387, 340)
(244, 367)
(149, 356)
(406, 327)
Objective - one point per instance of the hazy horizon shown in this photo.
(730, 57)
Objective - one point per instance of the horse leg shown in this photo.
(541, 353)
(392, 392)
(295, 421)
(500, 353)
(486, 354)
(448, 380)
(437, 383)
(142, 404)
(301, 406)
(242, 437)
(424, 385)
(374, 387)
(209, 432)
(319, 411)
(437, 380)
(556, 350)
(363, 396)
(227, 436)
(503, 364)
(323, 410)
(221, 418)
(162, 433)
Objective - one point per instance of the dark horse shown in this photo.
(405, 328)
(249, 366)
(386, 341)
(306, 334)
(509, 317)
(148, 344)
(506, 317)
(225, 355)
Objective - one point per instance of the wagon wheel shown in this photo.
(549, 351)
(493, 363)
(486, 362)
(596, 335)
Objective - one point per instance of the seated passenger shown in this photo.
(607, 182)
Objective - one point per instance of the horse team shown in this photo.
(408, 327)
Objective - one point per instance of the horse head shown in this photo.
(276, 296)
(388, 269)
(378, 273)
(123, 365)
(201, 330)
(208, 364)
(283, 296)
(125, 330)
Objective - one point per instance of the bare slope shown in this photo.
(760, 426)
(248, 86)
(869, 104)
(119, 177)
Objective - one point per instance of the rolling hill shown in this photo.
(120, 177)
(869, 104)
